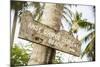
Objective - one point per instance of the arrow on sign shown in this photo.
(39, 33)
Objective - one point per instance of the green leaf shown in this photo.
(66, 13)
(85, 24)
(19, 56)
(88, 36)
(90, 49)
(69, 11)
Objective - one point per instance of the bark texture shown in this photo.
(51, 17)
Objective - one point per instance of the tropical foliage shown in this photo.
(38, 10)
(19, 56)
(90, 49)
(77, 22)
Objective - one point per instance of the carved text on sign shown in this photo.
(39, 33)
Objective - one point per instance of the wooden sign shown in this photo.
(44, 35)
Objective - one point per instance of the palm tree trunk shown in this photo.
(51, 17)
(13, 28)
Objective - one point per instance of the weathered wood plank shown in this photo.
(42, 34)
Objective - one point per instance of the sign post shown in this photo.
(44, 35)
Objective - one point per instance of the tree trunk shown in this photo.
(13, 28)
(51, 17)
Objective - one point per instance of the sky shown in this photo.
(87, 13)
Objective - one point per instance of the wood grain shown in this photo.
(44, 35)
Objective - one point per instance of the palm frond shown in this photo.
(69, 11)
(78, 16)
(39, 15)
(67, 20)
(86, 25)
(88, 36)
(90, 49)
(37, 6)
(41, 12)
(66, 13)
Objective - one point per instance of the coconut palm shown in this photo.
(38, 10)
(90, 48)
(51, 17)
(76, 22)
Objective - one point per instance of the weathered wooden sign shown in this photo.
(44, 35)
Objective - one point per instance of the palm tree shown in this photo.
(51, 17)
(16, 6)
(90, 48)
(38, 10)
(76, 22)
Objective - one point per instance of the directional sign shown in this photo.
(44, 35)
